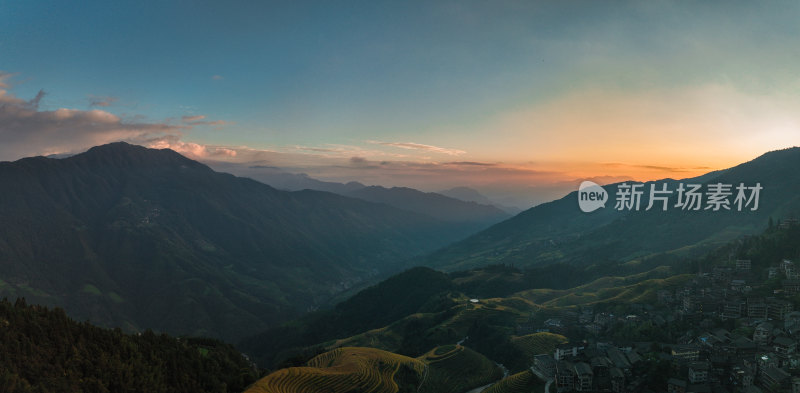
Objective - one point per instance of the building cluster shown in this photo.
(759, 355)
(599, 367)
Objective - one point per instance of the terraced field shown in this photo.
(524, 382)
(389, 338)
(488, 309)
(457, 369)
(632, 289)
(347, 370)
(538, 343)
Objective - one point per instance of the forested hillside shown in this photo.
(42, 350)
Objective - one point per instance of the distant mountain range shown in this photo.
(472, 195)
(435, 205)
(559, 231)
(140, 238)
(459, 201)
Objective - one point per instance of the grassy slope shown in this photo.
(454, 368)
(632, 289)
(524, 382)
(538, 343)
(639, 288)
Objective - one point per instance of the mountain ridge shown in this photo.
(558, 231)
(140, 238)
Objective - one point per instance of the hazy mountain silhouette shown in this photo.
(476, 215)
(472, 195)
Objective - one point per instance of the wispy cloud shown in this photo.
(342, 151)
(217, 77)
(200, 120)
(470, 163)
(189, 119)
(318, 149)
(102, 101)
(656, 168)
(4, 77)
(420, 146)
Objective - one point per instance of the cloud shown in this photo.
(342, 151)
(191, 149)
(102, 101)
(469, 163)
(657, 168)
(317, 149)
(189, 119)
(4, 76)
(419, 146)
(199, 120)
(217, 77)
(28, 131)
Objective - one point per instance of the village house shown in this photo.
(743, 265)
(698, 372)
(762, 333)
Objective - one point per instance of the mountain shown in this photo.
(472, 195)
(127, 236)
(466, 194)
(559, 231)
(282, 180)
(432, 204)
(476, 214)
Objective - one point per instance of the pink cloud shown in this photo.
(199, 120)
(191, 149)
(419, 146)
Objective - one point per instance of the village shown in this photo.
(731, 329)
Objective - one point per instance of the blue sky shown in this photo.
(547, 91)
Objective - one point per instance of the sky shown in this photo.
(518, 99)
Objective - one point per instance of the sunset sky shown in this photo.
(515, 99)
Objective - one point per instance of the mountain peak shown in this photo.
(123, 154)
